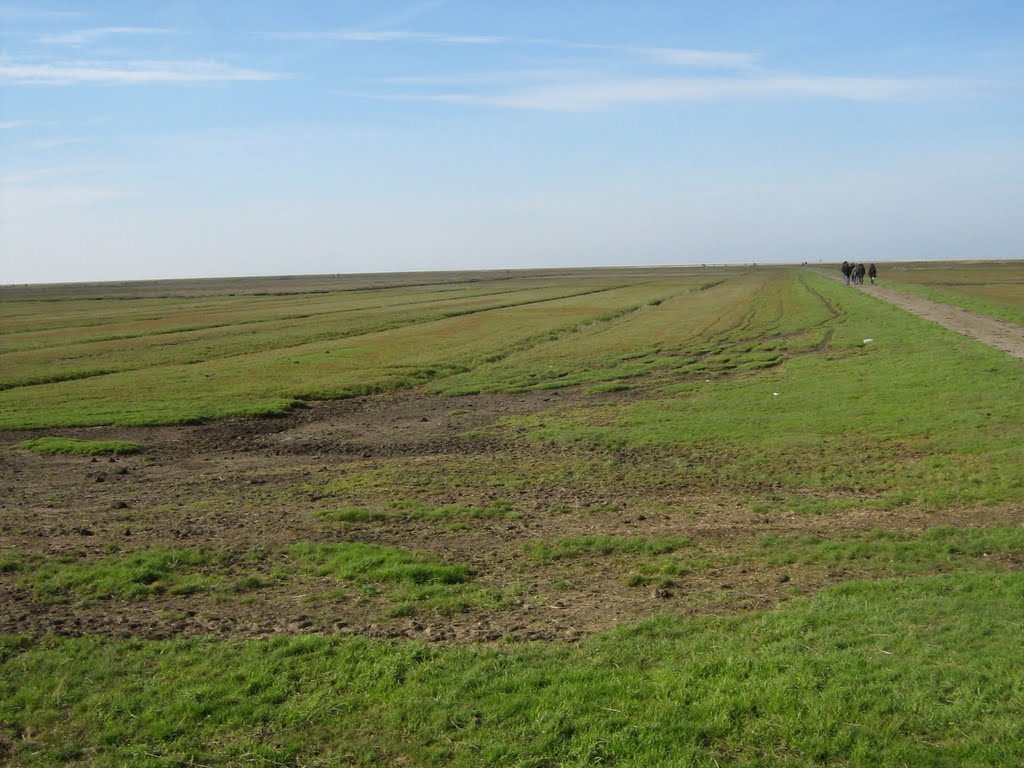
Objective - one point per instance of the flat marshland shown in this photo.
(676, 516)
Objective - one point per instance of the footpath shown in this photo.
(1008, 337)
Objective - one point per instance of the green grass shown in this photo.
(405, 577)
(411, 582)
(579, 546)
(357, 562)
(876, 554)
(906, 416)
(682, 333)
(273, 374)
(888, 553)
(921, 672)
(75, 447)
(206, 333)
(919, 666)
(131, 576)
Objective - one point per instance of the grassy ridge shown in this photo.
(904, 672)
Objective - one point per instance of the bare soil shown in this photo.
(245, 486)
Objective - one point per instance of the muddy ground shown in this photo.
(257, 485)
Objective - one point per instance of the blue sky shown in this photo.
(221, 137)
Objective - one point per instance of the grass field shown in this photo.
(700, 517)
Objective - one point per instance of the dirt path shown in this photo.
(1001, 335)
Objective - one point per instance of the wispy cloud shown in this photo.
(499, 77)
(686, 57)
(690, 57)
(35, 174)
(54, 143)
(606, 94)
(389, 36)
(11, 13)
(127, 73)
(6, 125)
(85, 36)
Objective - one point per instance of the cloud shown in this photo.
(54, 143)
(389, 36)
(9, 124)
(690, 57)
(127, 73)
(506, 76)
(83, 36)
(606, 94)
(10, 13)
(36, 174)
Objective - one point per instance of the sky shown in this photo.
(166, 139)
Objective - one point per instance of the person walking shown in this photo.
(846, 269)
(858, 273)
(872, 273)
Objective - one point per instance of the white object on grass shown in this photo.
(868, 341)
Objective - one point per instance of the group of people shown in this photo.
(853, 274)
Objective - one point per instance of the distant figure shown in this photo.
(846, 269)
(872, 273)
(859, 274)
